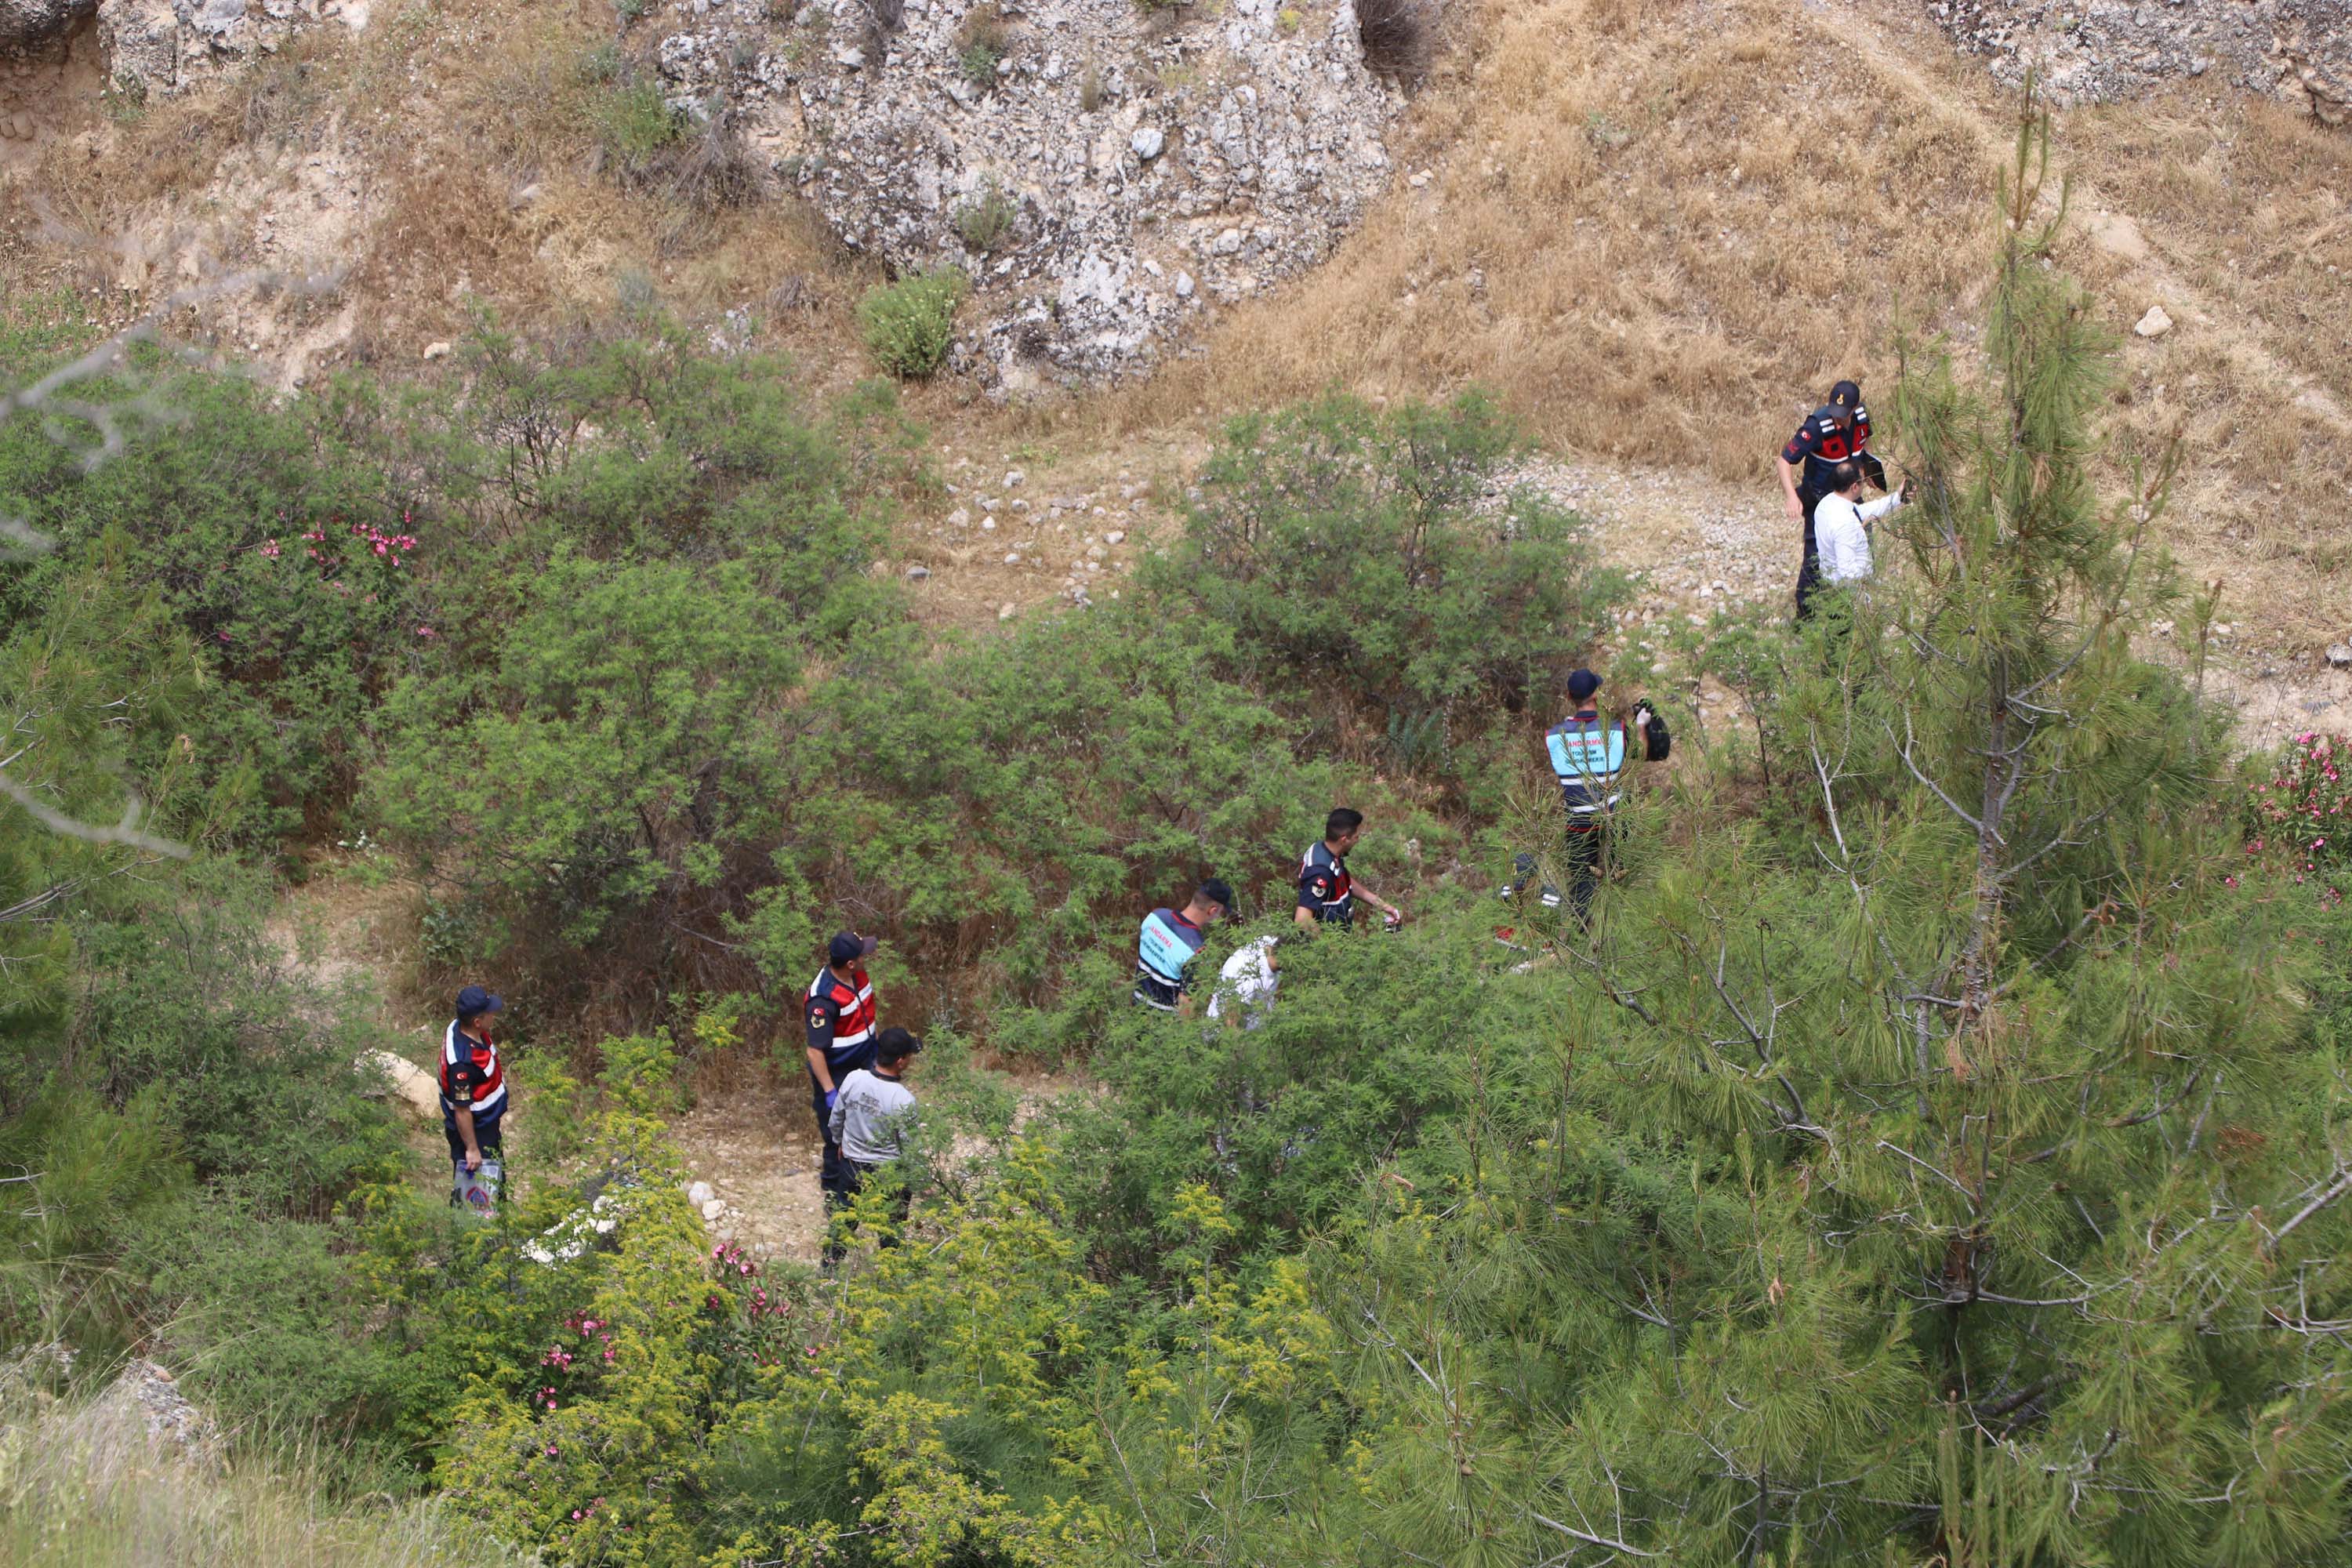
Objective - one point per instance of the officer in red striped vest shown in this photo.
(839, 1012)
(473, 1087)
(1327, 893)
(1588, 754)
(1837, 432)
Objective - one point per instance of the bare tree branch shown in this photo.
(126, 832)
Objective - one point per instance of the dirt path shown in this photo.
(749, 1145)
(1702, 545)
(753, 1145)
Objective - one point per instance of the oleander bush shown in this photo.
(909, 325)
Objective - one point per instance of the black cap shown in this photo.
(1583, 684)
(848, 947)
(895, 1045)
(1217, 893)
(1846, 395)
(473, 1000)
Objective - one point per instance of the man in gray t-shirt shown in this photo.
(871, 1116)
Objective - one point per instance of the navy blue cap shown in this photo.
(1846, 395)
(473, 1000)
(848, 947)
(1583, 684)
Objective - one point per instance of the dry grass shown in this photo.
(82, 1485)
(445, 116)
(1660, 231)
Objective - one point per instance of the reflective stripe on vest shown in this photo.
(1340, 905)
(1587, 755)
(853, 1023)
(491, 1094)
(1166, 946)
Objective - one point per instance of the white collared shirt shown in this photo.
(1840, 536)
(1249, 981)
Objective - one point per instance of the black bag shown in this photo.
(1660, 741)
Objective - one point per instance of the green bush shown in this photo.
(185, 1002)
(1032, 796)
(259, 1310)
(288, 555)
(1361, 549)
(83, 1177)
(908, 325)
(978, 62)
(984, 222)
(634, 125)
(621, 719)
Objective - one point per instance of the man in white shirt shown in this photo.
(1246, 985)
(1841, 522)
(871, 1114)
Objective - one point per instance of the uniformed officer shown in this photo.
(473, 1099)
(1327, 893)
(839, 1012)
(1837, 432)
(1169, 944)
(1588, 754)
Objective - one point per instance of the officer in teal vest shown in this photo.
(1168, 948)
(1589, 755)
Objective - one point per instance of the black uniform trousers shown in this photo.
(839, 1226)
(1586, 844)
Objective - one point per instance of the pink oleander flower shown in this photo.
(426, 632)
(269, 549)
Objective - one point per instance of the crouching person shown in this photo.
(872, 1114)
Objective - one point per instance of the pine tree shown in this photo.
(1944, 1174)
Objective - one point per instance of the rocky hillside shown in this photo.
(2298, 51)
(1100, 170)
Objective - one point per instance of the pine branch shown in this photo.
(1588, 1537)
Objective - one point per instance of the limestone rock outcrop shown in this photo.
(2299, 51)
(1101, 172)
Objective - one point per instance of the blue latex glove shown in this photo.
(830, 1096)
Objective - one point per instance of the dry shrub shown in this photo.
(878, 22)
(89, 1483)
(442, 227)
(1399, 37)
(280, 99)
(985, 40)
(711, 170)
